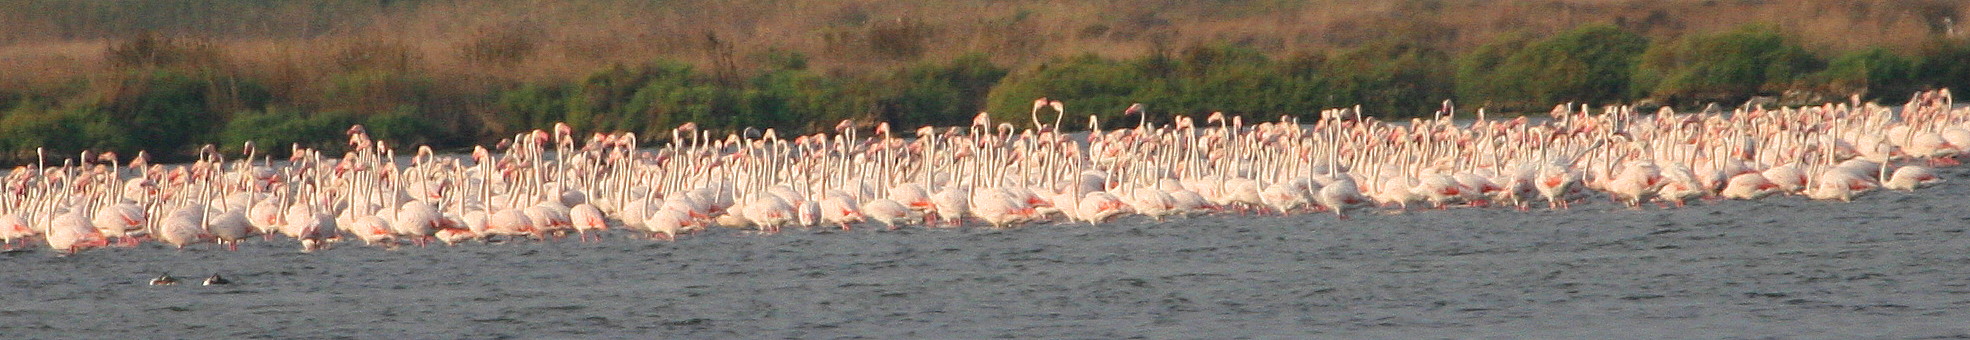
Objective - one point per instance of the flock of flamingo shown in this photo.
(544, 185)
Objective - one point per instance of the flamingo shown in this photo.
(951, 206)
(417, 220)
(71, 233)
(769, 213)
(1749, 186)
(14, 228)
(119, 220)
(374, 230)
(230, 227)
(1154, 203)
(1099, 206)
(1909, 178)
(510, 222)
(997, 173)
(1840, 184)
(1342, 196)
(265, 217)
(996, 207)
(667, 223)
(1636, 184)
(840, 210)
(888, 212)
(588, 218)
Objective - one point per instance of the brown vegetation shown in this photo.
(519, 40)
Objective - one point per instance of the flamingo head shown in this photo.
(540, 137)
(562, 130)
(480, 155)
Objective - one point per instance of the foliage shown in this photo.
(944, 94)
(1392, 77)
(1872, 73)
(274, 130)
(59, 132)
(1591, 64)
(167, 110)
(375, 90)
(403, 127)
(1089, 85)
(1944, 63)
(1479, 78)
(1726, 66)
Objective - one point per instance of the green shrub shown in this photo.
(166, 110)
(674, 94)
(1087, 84)
(1481, 81)
(1392, 78)
(945, 94)
(528, 106)
(1727, 66)
(1873, 73)
(274, 130)
(1590, 64)
(374, 90)
(596, 103)
(1220, 77)
(404, 127)
(27, 127)
(1944, 63)
(797, 101)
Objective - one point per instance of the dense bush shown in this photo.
(1195, 81)
(404, 126)
(1874, 73)
(677, 96)
(376, 90)
(658, 96)
(1392, 78)
(529, 106)
(1944, 63)
(1590, 64)
(166, 110)
(61, 132)
(1723, 67)
(1227, 78)
(274, 130)
(943, 94)
(1087, 84)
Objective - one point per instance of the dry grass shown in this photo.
(295, 44)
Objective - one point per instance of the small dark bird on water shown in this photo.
(216, 280)
(164, 280)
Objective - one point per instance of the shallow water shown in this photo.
(1891, 265)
